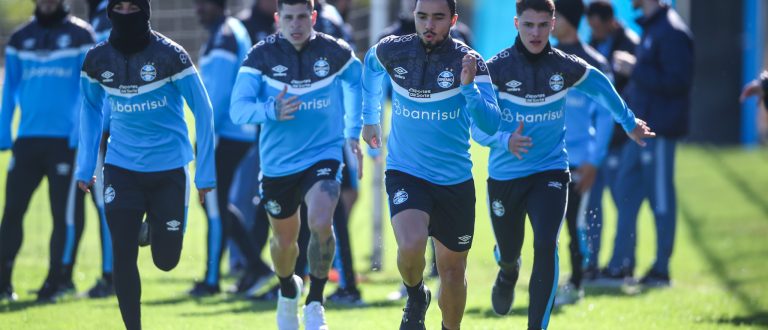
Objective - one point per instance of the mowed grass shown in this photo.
(719, 266)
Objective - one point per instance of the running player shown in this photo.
(42, 57)
(440, 87)
(143, 75)
(532, 80)
(289, 83)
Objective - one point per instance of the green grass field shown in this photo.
(719, 267)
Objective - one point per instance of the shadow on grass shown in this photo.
(739, 182)
(17, 306)
(757, 319)
(489, 313)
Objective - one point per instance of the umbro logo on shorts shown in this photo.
(400, 197)
(464, 240)
(323, 171)
(173, 225)
(555, 184)
(273, 207)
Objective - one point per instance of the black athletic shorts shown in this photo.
(283, 195)
(451, 208)
(163, 195)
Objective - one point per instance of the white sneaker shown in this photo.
(568, 294)
(288, 309)
(314, 316)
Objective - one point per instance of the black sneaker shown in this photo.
(502, 295)
(66, 288)
(613, 278)
(102, 289)
(48, 292)
(202, 289)
(145, 237)
(415, 310)
(7, 294)
(655, 279)
(347, 297)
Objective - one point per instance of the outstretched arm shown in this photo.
(373, 76)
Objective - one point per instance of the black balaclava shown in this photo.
(54, 18)
(130, 33)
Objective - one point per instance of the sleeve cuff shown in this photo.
(371, 119)
(271, 111)
(469, 89)
(504, 140)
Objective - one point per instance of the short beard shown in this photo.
(434, 43)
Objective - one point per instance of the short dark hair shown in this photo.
(602, 9)
(451, 6)
(537, 5)
(310, 3)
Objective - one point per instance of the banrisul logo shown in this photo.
(445, 79)
(148, 105)
(322, 68)
(148, 73)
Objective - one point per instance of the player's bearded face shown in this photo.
(295, 23)
(433, 21)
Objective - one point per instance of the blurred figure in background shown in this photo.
(589, 128)
(608, 37)
(43, 57)
(659, 90)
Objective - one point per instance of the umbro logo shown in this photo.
(323, 171)
(279, 71)
(400, 72)
(173, 225)
(466, 239)
(107, 76)
(555, 184)
(514, 86)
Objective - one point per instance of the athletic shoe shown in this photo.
(48, 292)
(568, 294)
(102, 289)
(288, 308)
(66, 288)
(270, 295)
(415, 310)
(145, 237)
(590, 275)
(202, 289)
(655, 279)
(502, 295)
(251, 283)
(314, 316)
(8, 294)
(401, 293)
(613, 279)
(347, 297)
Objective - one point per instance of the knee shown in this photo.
(411, 248)
(283, 241)
(453, 273)
(544, 246)
(320, 219)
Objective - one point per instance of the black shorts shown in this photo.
(282, 195)
(451, 208)
(163, 195)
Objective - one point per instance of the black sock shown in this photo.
(416, 291)
(5, 274)
(107, 277)
(66, 273)
(316, 287)
(287, 287)
(443, 326)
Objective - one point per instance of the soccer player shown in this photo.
(609, 37)
(143, 76)
(42, 57)
(220, 60)
(528, 166)
(289, 84)
(659, 88)
(441, 86)
(589, 131)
